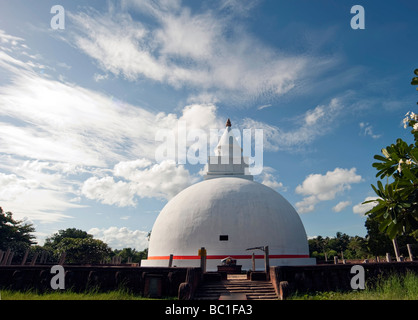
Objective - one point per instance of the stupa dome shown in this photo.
(227, 214)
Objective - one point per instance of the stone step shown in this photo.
(238, 283)
(209, 295)
(261, 297)
(233, 283)
(243, 284)
(201, 294)
(249, 297)
(252, 290)
(237, 288)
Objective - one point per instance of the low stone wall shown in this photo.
(147, 281)
(288, 279)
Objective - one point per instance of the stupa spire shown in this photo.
(228, 160)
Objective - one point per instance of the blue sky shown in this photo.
(80, 106)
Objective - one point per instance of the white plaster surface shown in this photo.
(250, 213)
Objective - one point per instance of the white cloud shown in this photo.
(162, 180)
(326, 186)
(239, 7)
(7, 38)
(38, 190)
(100, 77)
(317, 187)
(312, 124)
(201, 116)
(315, 123)
(307, 204)
(88, 128)
(184, 48)
(11, 64)
(128, 169)
(63, 122)
(367, 130)
(270, 181)
(57, 135)
(31, 199)
(119, 238)
(268, 178)
(271, 133)
(361, 209)
(107, 191)
(312, 117)
(264, 106)
(141, 179)
(189, 36)
(157, 8)
(341, 206)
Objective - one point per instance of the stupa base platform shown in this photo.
(212, 262)
(230, 269)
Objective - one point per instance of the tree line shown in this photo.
(79, 246)
(374, 244)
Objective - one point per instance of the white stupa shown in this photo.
(228, 213)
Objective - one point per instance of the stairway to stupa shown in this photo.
(236, 287)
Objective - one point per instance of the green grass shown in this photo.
(120, 294)
(393, 287)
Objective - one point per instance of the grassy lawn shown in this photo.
(69, 295)
(394, 287)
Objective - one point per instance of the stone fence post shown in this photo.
(411, 256)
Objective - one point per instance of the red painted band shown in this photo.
(271, 256)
